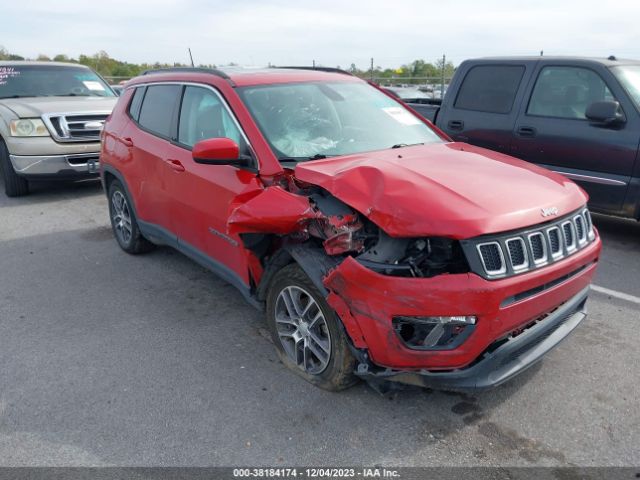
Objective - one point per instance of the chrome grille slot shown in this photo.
(554, 242)
(581, 232)
(492, 258)
(76, 127)
(538, 248)
(568, 232)
(589, 224)
(511, 253)
(517, 254)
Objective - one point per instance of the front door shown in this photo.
(202, 196)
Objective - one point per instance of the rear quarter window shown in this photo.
(136, 103)
(158, 107)
(490, 88)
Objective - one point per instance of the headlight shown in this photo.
(28, 127)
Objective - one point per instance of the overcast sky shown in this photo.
(331, 32)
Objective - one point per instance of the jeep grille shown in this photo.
(511, 253)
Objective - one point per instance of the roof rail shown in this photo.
(212, 71)
(320, 69)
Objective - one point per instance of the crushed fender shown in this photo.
(274, 210)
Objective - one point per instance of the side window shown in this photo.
(566, 92)
(490, 88)
(157, 108)
(136, 103)
(203, 115)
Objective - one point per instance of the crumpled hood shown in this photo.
(451, 190)
(32, 107)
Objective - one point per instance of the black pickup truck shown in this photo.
(576, 116)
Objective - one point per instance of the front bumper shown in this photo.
(56, 166)
(510, 358)
(367, 301)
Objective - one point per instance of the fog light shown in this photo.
(434, 333)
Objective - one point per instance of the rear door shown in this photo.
(149, 139)
(552, 131)
(484, 109)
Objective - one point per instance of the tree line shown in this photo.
(106, 66)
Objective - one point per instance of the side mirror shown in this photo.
(605, 113)
(218, 151)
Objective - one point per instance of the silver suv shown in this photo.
(51, 116)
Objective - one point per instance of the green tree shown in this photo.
(62, 58)
(449, 68)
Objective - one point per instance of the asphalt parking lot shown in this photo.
(109, 359)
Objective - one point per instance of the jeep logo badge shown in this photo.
(547, 212)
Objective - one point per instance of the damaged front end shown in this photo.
(293, 221)
(412, 308)
(292, 214)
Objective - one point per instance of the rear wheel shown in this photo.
(14, 184)
(308, 335)
(124, 223)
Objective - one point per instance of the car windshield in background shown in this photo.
(629, 77)
(312, 120)
(409, 93)
(18, 81)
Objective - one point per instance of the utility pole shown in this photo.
(444, 63)
(314, 63)
(372, 69)
(191, 57)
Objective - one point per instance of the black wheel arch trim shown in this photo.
(116, 173)
(315, 263)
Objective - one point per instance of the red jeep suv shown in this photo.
(379, 248)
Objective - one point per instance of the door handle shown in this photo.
(175, 165)
(526, 131)
(456, 124)
(126, 141)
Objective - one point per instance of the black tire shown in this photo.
(133, 242)
(338, 373)
(14, 184)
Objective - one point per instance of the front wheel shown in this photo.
(307, 333)
(14, 184)
(124, 223)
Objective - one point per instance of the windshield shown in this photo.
(313, 120)
(50, 80)
(409, 93)
(629, 77)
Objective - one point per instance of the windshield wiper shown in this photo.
(317, 156)
(402, 145)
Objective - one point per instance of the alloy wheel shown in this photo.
(303, 330)
(121, 217)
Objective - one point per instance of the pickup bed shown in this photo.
(576, 116)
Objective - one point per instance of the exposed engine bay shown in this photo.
(340, 230)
